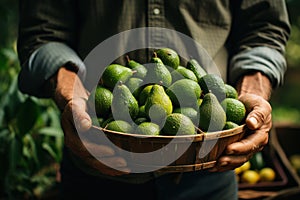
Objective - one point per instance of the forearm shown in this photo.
(255, 83)
(43, 64)
(66, 85)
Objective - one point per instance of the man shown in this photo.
(246, 39)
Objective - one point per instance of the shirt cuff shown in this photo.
(43, 63)
(264, 59)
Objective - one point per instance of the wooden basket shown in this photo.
(173, 153)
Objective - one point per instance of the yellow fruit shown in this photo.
(267, 174)
(242, 168)
(250, 176)
(246, 166)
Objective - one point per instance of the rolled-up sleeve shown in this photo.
(43, 63)
(47, 40)
(263, 59)
(258, 38)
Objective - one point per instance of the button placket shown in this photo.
(155, 19)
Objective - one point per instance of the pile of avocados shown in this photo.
(163, 97)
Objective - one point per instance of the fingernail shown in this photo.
(253, 121)
(85, 124)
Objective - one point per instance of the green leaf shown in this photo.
(29, 148)
(27, 115)
(50, 150)
(14, 154)
(51, 131)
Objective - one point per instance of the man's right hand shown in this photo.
(70, 96)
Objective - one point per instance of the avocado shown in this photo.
(212, 115)
(230, 125)
(158, 73)
(195, 67)
(169, 57)
(231, 92)
(134, 85)
(124, 105)
(178, 124)
(190, 112)
(235, 110)
(140, 70)
(184, 93)
(158, 104)
(148, 128)
(213, 83)
(119, 126)
(144, 94)
(181, 73)
(101, 102)
(113, 74)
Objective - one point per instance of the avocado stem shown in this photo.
(127, 58)
(154, 54)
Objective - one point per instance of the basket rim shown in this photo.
(196, 137)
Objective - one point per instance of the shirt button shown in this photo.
(156, 11)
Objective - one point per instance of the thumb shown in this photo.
(259, 110)
(258, 116)
(82, 120)
(252, 122)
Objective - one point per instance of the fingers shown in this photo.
(259, 123)
(239, 152)
(249, 145)
(97, 156)
(99, 151)
(112, 166)
(259, 110)
(82, 120)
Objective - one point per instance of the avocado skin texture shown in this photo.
(212, 115)
(231, 92)
(158, 104)
(119, 126)
(102, 99)
(230, 125)
(183, 73)
(148, 128)
(213, 83)
(158, 73)
(235, 110)
(184, 93)
(195, 67)
(140, 70)
(124, 105)
(113, 74)
(178, 124)
(169, 57)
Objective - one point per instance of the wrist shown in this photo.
(66, 85)
(255, 83)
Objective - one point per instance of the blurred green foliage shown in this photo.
(31, 138)
(285, 100)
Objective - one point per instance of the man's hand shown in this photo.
(254, 92)
(70, 96)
